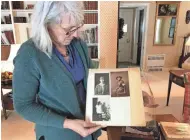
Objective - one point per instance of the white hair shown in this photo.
(47, 12)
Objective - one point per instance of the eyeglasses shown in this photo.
(74, 30)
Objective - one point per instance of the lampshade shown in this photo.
(188, 42)
(7, 61)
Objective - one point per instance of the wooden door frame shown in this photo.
(117, 36)
(146, 21)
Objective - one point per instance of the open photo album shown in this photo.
(114, 97)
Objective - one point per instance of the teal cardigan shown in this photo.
(44, 92)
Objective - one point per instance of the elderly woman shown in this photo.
(50, 74)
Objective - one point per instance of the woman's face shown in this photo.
(102, 80)
(118, 78)
(58, 31)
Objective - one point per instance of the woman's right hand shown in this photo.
(84, 128)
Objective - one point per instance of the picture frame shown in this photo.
(167, 10)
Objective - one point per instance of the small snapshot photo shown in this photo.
(101, 84)
(101, 109)
(119, 84)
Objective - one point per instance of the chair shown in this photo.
(185, 55)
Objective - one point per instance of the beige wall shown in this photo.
(108, 35)
(172, 52)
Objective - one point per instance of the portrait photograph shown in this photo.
(119, 84)
(101, 109)
(101, 84)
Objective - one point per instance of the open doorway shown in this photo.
(131, 47)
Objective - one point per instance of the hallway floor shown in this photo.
(16, 128)
(126, 65)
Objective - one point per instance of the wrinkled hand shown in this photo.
(84, 128)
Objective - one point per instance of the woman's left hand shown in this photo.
(84, 128)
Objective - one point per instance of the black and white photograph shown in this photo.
(101, 109)
(119, 84)
(101, 84)
(116, 108)
(167, 10)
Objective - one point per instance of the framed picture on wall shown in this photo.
(172, 10)
(162, 9)
(167, 10)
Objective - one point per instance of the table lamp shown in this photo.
(187, 46)
(9, 54)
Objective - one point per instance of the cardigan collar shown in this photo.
(76, 44)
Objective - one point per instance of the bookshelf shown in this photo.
(19, 13)
(5, 11)
(7, 29)
(23, 10)
(91, 28)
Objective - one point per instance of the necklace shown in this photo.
(67, 53)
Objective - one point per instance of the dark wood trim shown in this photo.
(117, 35)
